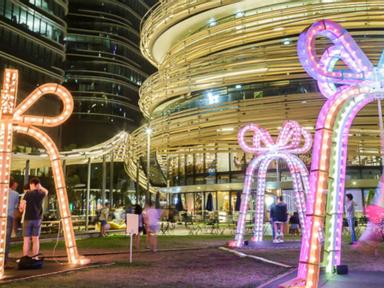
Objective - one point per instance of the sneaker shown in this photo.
(275, 241)
(281, 241)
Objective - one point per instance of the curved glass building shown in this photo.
(104, 68)
(222, 64)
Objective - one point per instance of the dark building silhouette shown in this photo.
(104, 68)
(32, 40)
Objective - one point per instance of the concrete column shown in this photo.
(87, 200)
(230, 166)
(27, 172)
(64, 164)
(104, 180)
(148, 194)
(137, 182)
(111, 181)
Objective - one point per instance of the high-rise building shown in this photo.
(32, 41)
(104, 68)
(226, 63)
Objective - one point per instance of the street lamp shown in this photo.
(148, 131)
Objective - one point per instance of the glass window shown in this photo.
(23, 17)
(36, 25)
(15, 14)
(8, 9)
(43, 28)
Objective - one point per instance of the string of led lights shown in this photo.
(357, 86)
(267, 150)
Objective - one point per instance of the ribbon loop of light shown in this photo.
(344, 48)
(44, 121)
(289, 139)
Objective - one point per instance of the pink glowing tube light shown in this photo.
(15, 119)
(348, 91)
(266, 150)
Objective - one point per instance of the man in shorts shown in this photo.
(32, 207)
(280, 217)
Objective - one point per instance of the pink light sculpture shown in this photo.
(15, 119)
(266, 150)
(348, 91)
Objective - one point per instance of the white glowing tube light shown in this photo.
(266, 150)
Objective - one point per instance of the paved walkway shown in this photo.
(355, 279)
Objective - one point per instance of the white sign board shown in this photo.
(132, 224)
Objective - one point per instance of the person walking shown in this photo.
(13, 202)
(350, 213)
(280, 218)
(139, 212)
(32, 207)
(294, 224)
(104, 215)
(152, 226)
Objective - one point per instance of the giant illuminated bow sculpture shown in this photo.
(267, 150)
(348, 91)
(15, 119)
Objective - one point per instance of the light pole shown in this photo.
(148, 131)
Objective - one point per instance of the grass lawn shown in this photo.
(121, 243)
(202, 266)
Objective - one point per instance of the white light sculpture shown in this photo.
(286, 147)
(14, 119)
(348, 91)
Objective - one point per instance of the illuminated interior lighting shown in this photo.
(212, 98)
(239, 14)
(226, 129)
(287, 42)
(212, 22)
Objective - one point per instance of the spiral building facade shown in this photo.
(224, 63)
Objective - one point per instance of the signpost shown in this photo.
(132, 228)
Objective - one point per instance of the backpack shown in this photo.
(26, 262)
